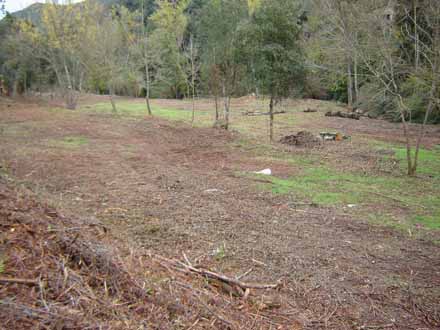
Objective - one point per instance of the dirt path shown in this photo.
(173, 189)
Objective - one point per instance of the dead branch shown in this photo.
(18, 281)
(216, 276)
(256, 113)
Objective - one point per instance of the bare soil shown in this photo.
(169, 188)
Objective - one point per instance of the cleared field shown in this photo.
(353, 241)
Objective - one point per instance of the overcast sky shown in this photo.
(14, 5)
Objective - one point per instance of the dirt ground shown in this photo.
(172, 189)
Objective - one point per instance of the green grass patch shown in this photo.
(69, 142)
(2, 266)
(428, 163)
(130, 109)
(329, 187)
(427, 221)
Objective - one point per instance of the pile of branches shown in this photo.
(59, 273)
(301, 139)
(342, 114)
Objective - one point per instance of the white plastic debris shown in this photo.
(210, 191)
(266, 171)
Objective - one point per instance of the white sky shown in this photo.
(14, 5)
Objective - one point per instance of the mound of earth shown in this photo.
(301, 139)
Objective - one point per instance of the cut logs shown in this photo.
(342, 114)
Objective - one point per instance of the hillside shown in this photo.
(33, 12)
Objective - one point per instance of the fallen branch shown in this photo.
(221, 277)
(262, 113)
(18, 280)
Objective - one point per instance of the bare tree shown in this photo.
(339, 38)
(388, 65)
(194, 68)
(146, 60)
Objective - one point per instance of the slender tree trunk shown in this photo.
(193, 103)
(226, 100)
(112, 101)
(25, 84)
(216, 107)
(349, 84)
(71, 102)
(147, 87)
(193, 81)
(432, 96)
(257, 92)
(15, 88)
(271, 119)
(416, 36)
(420, 137)
(146, 62)
(81, 79)
(407, 141)
(356, 78)
(227, 108)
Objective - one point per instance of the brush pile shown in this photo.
(302, 139)
(59, 273)
(343, 114)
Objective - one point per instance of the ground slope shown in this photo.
(169, 188)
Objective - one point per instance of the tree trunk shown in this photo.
(193, 104)
(71, 100)
(146, 62)
(81, 79)
(147, 91)
(431, 105)
(15, 88)
(25, 90)
(349, 85)
(257, 92)
(227, 107)
(421, 136)
(112, 101)
(356, 78)
(271, 119)
(193, 81)
(216, 107)
(408, 143)
(226, 100)
(416, 37)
